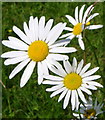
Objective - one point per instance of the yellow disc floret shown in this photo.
(72, 81)
(38, 50)
(89, 113)
(88, 23)
(77, 29)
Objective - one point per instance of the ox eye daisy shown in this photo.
(72, 82)
(89, 110)
(37, 45)
(80, 23)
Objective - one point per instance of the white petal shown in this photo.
(27, 31)
(63, 50)
(76, 100)
(89, 86)
(55, 63)
(36, 28)
(81, 95)
(12, 54)
(18, 68)
(31, 29)
(62, 95)
(67, 66)
(71, 19)
(60, 43)
(76, 115)
(58, 57)
(99, 113)
(80, 65)
(95, 105)
(90, 100)
(47, 28)
(49, 63)
(85, 68)
(68, 28)
(86, 90)
(91, 17)
(66, 100)
(45, 68)
(41, 27)
(95, 84)
(56, 71)
(15, 60)
(81, 13)
(90, 72)
(18, 42)
(40, 73)
(51, 77)
(73, 99)
(27, 73)
(71, 37)
(74, 66)
(54, 88)
(14, 45)
(101, 106)
(91, 27)
(66, 35)
(81, 44)
(76, 14)
(94, 77)
(49, 82)
(55, 33)
(57, 92)
(60, 71)
(98, 107)
(87, 12)
(21, 34)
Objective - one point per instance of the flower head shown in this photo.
(72, 81)
(89, 110)
(81, 22)
(37, 45)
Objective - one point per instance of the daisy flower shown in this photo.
(37, 45)
(80, 22)
(89, 110)
(72, 82)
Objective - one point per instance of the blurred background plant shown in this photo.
(32, 101)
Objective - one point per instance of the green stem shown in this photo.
(92, 47)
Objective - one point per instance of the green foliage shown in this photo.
(32, 101)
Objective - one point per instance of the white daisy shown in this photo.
(80, 23)
(37, 45)
(72, 81)
(89, 110)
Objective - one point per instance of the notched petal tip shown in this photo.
(64, 24)
(39, 83)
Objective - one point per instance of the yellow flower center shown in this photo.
(77, 29)
(38, 51)
(88, 23)
(89, 113)
(72, 81)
